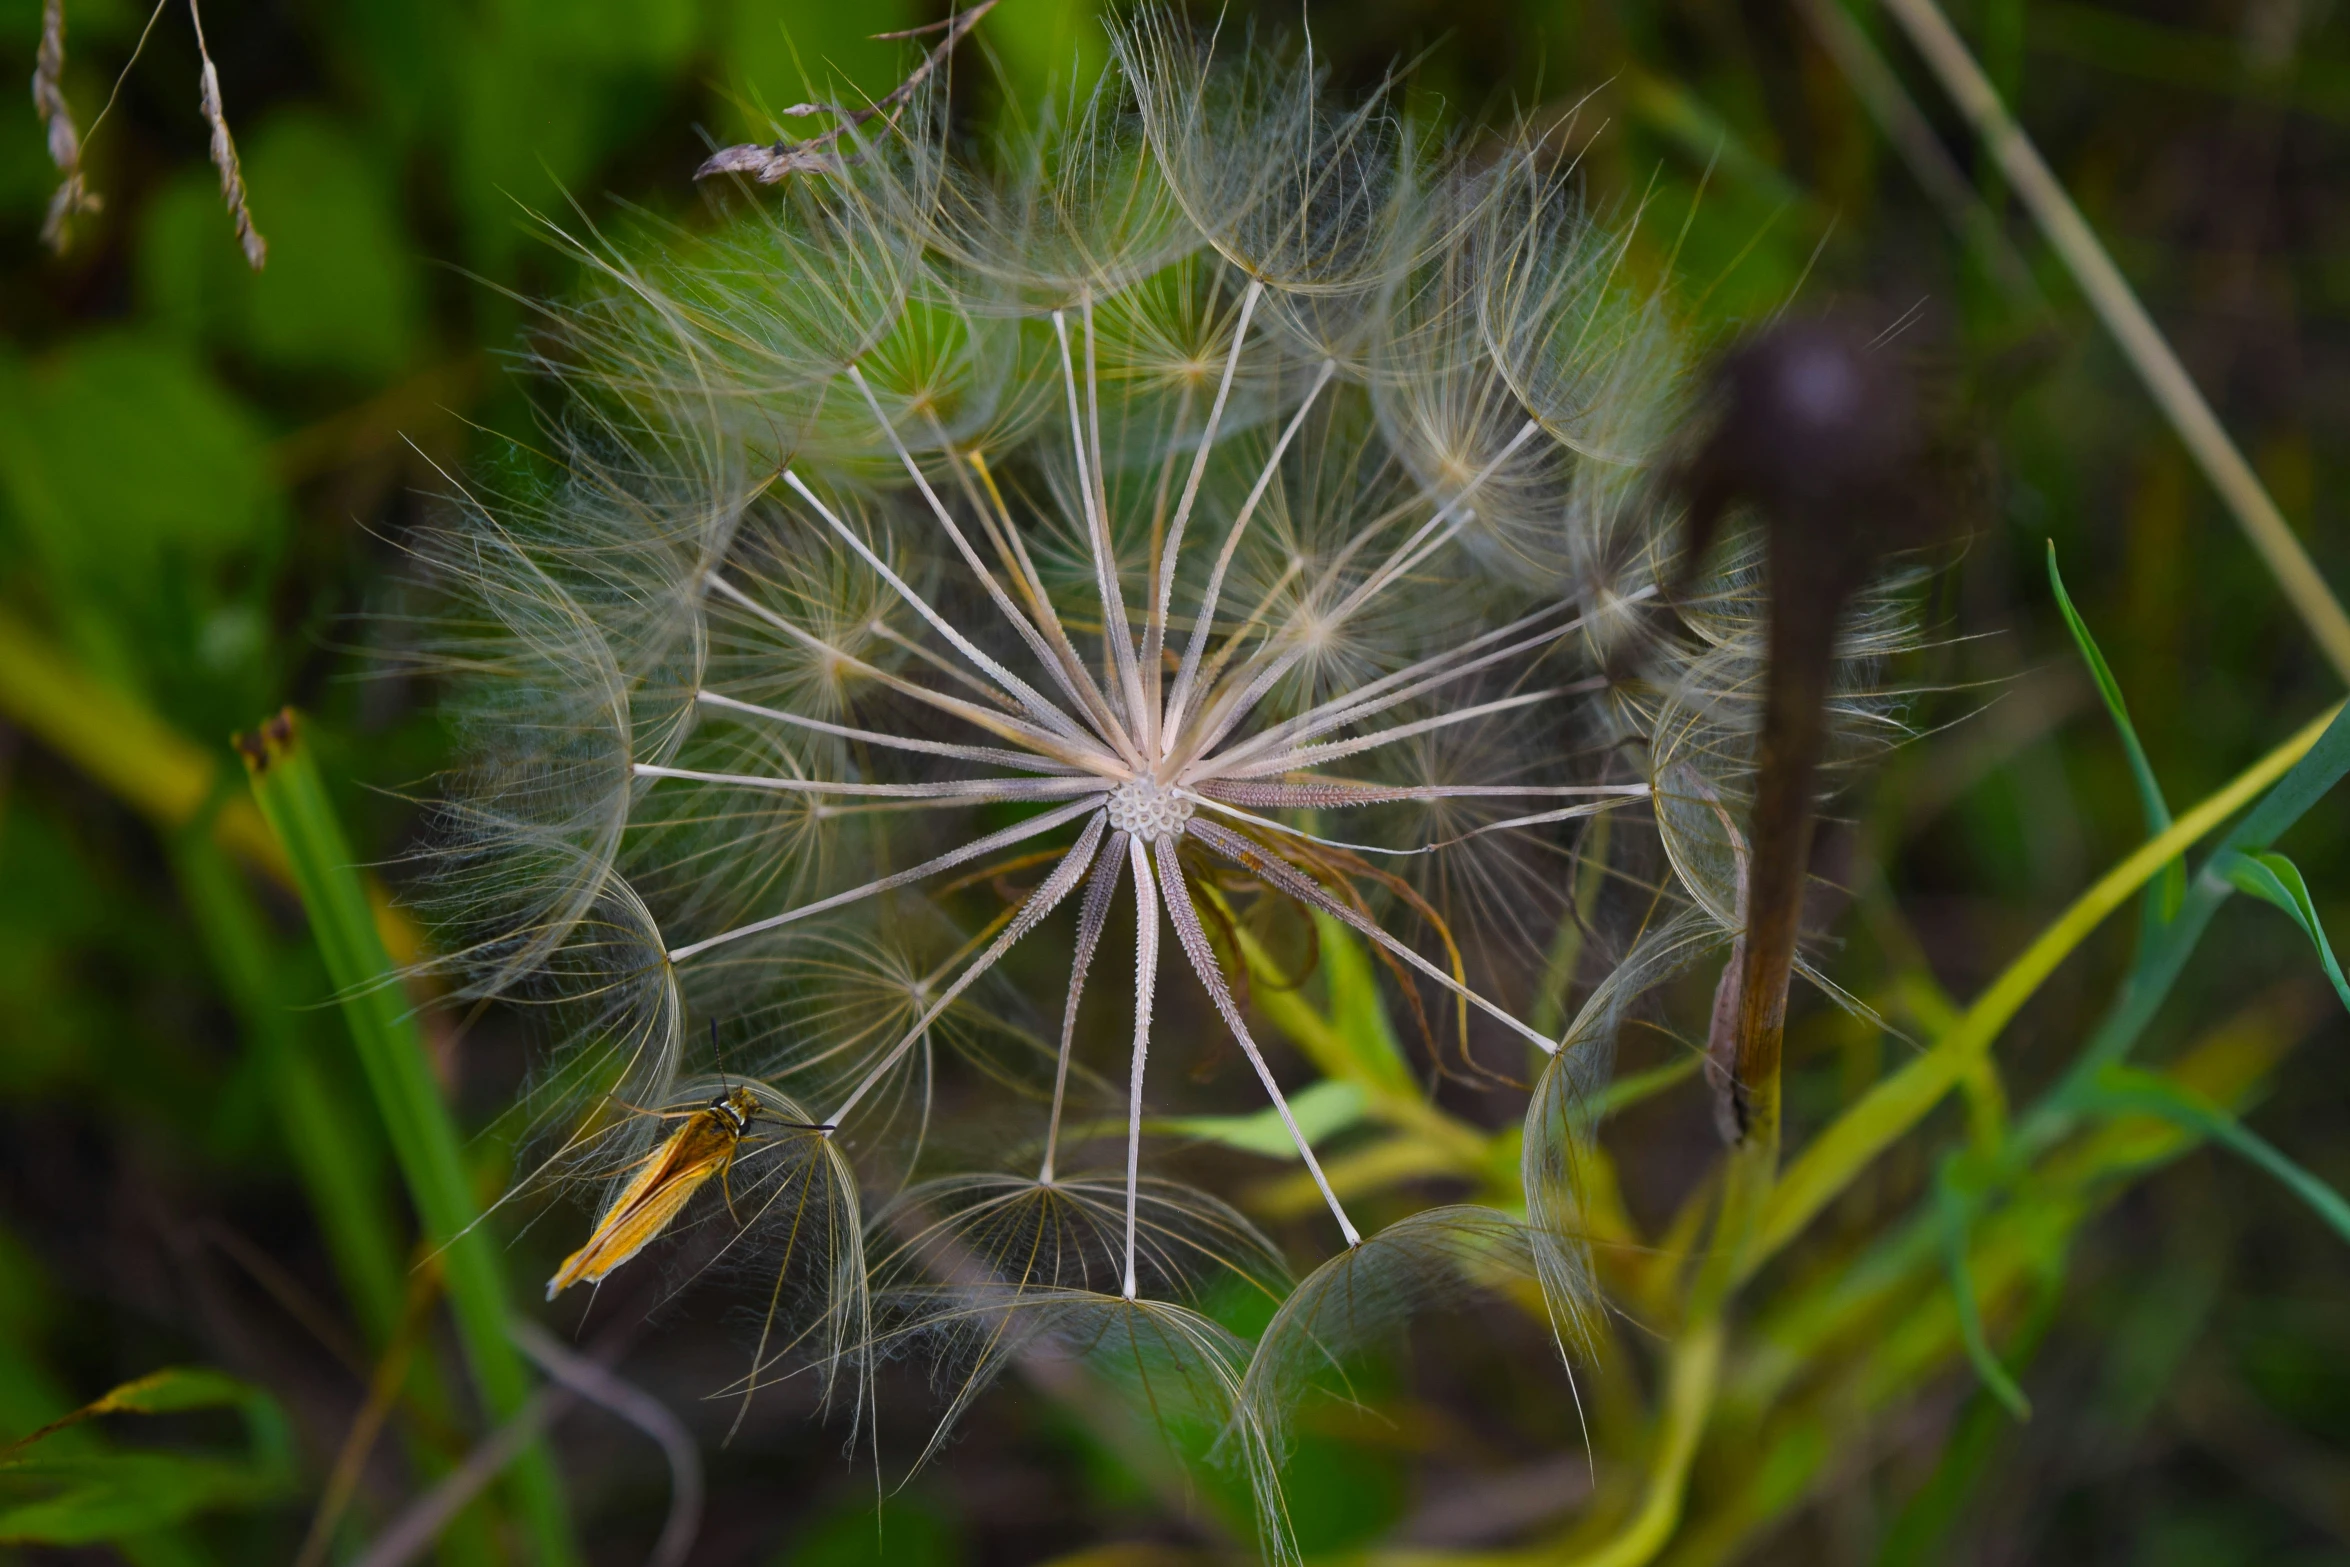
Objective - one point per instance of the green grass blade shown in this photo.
(329, 1150)
(1956, 1210)
(1623, 1093)
(2150, 797)
(86, 1496)
(2159, 964)
(1356, 1011)
(293, 798)
(2150, 1093)
(1322, 1109)
(2164, 898)
(2275, 879)
(173, 1390)
(1929, 1521)
(331, 1140)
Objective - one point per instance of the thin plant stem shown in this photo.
(1692, 1375)
(339, 1168)
(122, 745)
(383, 1391)
(2141, 341)
(293, 799)
(1888, 103)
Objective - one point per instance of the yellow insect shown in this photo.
(672, 1173)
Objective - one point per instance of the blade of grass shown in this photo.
(2141, 341)
(2150, 798)
(115, 1496)
(1898, 119)
(293, 799)
(2158, 965)
(2275, 879)
(1846, 1305)
(2152, 1093)
(316, 1125)
(1870, 1338)
(136, 756)
(1955, 1208)
(1692, 1374)
(141, 760)
(338, 1161)
(2164, 903)
(1896, 1104)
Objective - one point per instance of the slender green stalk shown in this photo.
(1888, 103)
(293, 799)
(344, 1195)
(1691, 1377)
(2141, 340)
(1889, 1110)
(134, 755)
(340, 1164)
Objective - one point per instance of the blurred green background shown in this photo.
(204, 478)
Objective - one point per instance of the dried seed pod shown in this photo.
(1820, 431)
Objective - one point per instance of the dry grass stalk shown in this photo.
(224, 152)
(772, 162)
(2141, 340)
(65, 143)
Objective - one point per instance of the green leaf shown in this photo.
(1323, 1109)
(2277, 880)
(108, 1496)
(540, 92)
(1351, 1040)
(1935, 1511)
(648, 36)
(1356, 1011)
(2172, 888)
(776, 58)
(82, 1497)
(121, 448)
(1956, 1208)
(2122, 1088)
(1623, 1093)
(170, 1391)
(1044, 44)
(2159, 963)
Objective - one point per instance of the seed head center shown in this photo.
(1148, 809)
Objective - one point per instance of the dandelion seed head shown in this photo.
(984, 595)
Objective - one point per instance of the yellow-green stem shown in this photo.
(1690, 1382)
(1888, 1111)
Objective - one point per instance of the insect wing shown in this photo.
(671, 1174)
